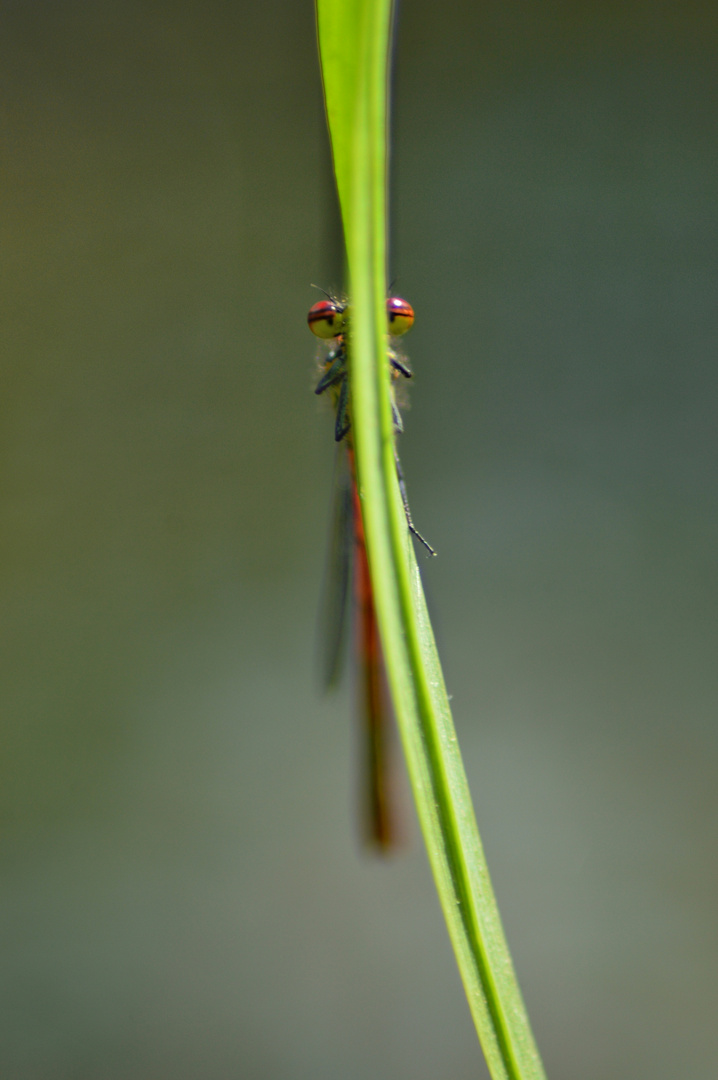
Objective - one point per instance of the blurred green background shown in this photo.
(183, 892)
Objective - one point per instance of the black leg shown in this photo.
(343, 422)
(407, 511)
(332, 375)
(398, 364)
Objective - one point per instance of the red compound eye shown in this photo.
(400, 315)
(327, 318)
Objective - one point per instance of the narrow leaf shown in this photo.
(354, 45)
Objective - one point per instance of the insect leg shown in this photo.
(396, 417)
(398, 364)
(333, 374)
(343, 423)
(407, 511)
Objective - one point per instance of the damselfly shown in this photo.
(329, 320)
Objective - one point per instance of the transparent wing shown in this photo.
(336, 599)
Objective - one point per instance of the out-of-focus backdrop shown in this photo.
(182, 891)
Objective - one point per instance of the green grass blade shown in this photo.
(354, 42)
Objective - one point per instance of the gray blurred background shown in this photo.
(183, 892)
